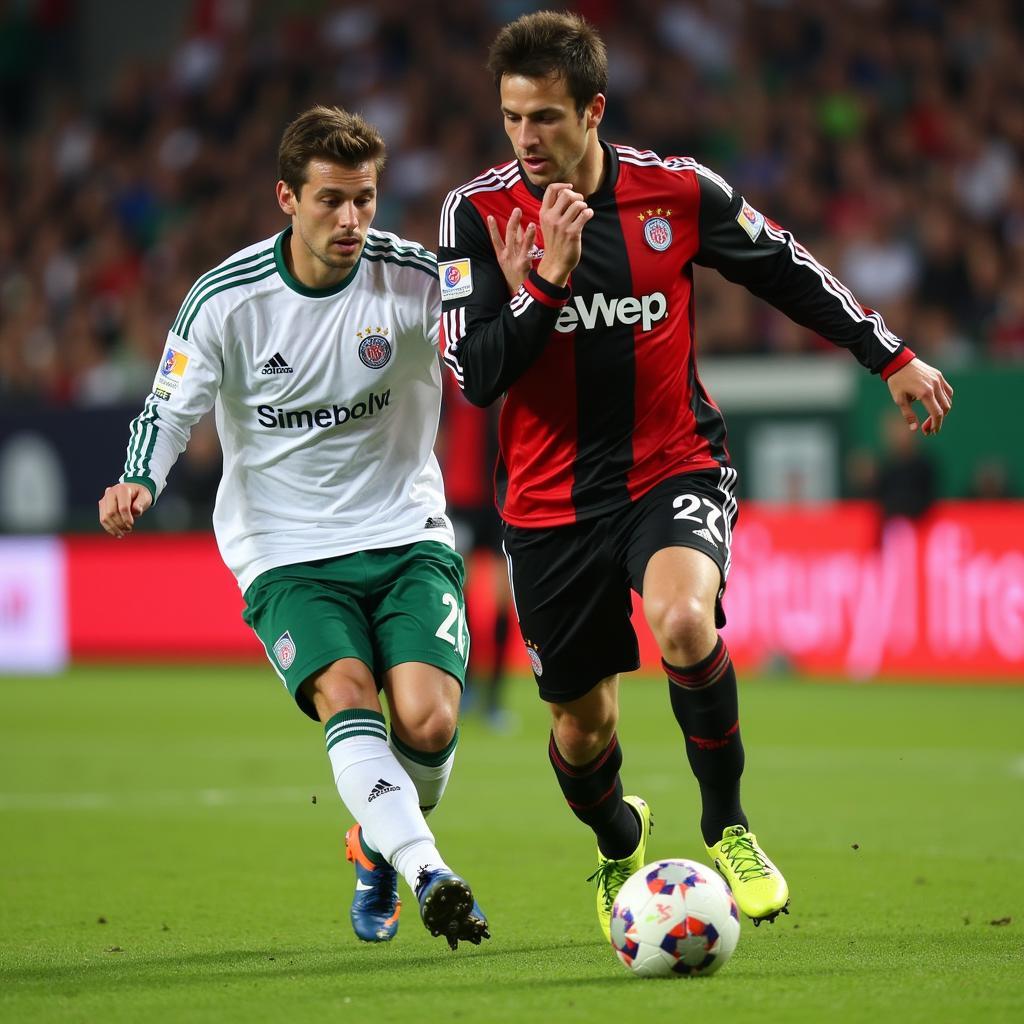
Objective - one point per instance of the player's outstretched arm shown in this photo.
(121, 505)
(919, 382)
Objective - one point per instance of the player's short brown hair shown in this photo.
(327, 133)
(552, 43)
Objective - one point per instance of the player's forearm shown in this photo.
(491, 355)
(490, 359)
(752, 250)
(815, 299)
(155, 442)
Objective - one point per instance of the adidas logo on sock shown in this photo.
(276, 365)
(382, 787)
(706, 535)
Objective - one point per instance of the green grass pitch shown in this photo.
(162, 859)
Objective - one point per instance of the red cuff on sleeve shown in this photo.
(898, 363)
(545, 292)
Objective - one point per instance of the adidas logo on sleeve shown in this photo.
(276, 364)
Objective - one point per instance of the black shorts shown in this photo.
(571, 584)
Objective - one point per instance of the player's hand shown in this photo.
(919, 382)
(121, 505)
(563, 216)
(513, 251)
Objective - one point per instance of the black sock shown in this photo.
(707, 709)
(593, 792)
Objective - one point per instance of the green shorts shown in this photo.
(383, 607)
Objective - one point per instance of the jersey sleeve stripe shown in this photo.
(241, 266)
(373, 249)
(141, 434)
(233, 283)
(456, 367)
(519, 310)
(647, 158)
(495, 180)
(142, 441)
(454, 322)
(835, 287)
(685, 163)
(381, 240)
(375, 257)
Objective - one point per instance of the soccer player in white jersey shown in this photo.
(317, 348)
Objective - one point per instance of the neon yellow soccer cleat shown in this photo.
(757, 884)
(611, 874)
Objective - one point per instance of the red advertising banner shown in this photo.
(824, 589)
(836, 591)
(154, 596)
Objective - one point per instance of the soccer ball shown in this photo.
(672, 918)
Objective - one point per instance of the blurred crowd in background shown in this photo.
(887, 136)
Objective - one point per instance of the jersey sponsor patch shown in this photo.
(750, 220)
(284, 650)
(456, 278)
(170, 374)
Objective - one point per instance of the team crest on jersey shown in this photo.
(534, 655)
(657, 229)
(750, 220)
(456, 278)
(374, 347)
(169, 376)
(284, 650)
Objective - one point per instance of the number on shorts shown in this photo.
(690, 503)
(456, 617)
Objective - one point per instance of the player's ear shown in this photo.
(595, 110)
(286, 198)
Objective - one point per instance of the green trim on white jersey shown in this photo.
(224, 276)
(294, 283)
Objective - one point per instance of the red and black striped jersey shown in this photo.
(602, 396)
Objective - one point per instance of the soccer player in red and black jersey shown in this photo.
(567, 280)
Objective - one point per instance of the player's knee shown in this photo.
(581, 740)
(430, 730)
(684, 628)
(339, 688)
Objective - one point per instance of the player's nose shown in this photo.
(347, 215)
(527, 137)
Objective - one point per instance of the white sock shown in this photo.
(429, 772)
(378, 792)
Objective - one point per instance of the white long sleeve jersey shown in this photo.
(327, 405)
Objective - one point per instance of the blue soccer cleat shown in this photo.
(448, 908)
(375, 905)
